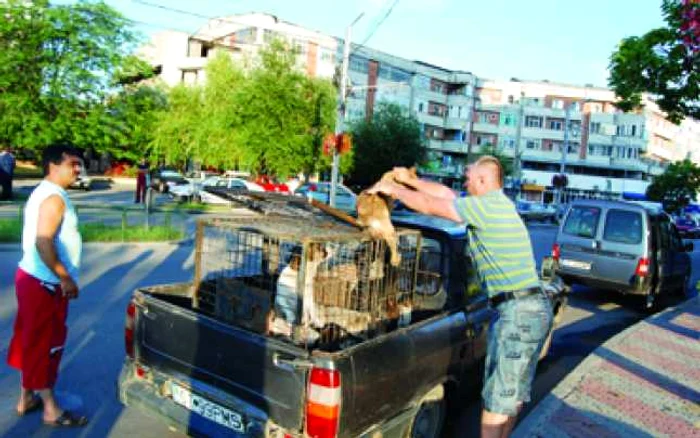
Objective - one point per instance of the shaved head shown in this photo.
(485, 175)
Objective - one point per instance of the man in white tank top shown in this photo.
(46, 279)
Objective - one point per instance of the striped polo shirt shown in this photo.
(498, 242)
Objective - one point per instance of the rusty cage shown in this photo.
(306, 281)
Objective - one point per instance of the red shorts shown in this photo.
(39, 332)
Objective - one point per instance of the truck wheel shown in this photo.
(428, 421)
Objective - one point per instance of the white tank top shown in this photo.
(69, 244)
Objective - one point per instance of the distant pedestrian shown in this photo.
(7, 171)
(141, 181)
(46, 279)
(500, 248)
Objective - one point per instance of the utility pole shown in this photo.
(564, 149)
(518, 138)
(340, 122)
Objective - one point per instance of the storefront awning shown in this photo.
(532, 188)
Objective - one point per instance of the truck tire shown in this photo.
(428, 421)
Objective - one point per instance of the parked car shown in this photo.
(163, 179)
(199, 175)
(687, 227)
(272, 185)
(207, 192)
(622, 246)
(83, 182)
(535, 211)
(208, 377)
(345, 199)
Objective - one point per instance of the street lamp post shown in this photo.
(564, 150)
(340, 123)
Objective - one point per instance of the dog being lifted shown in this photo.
(374, 214)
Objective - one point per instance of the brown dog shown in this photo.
(374, 213)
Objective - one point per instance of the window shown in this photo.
(533, 121)
(299, 46)
(359, 64)
(623, 227)
(270, 35)
(246, 35)
(510, 99)
(556, 125)
(558, 104)
(582, 221)
(428, 281)
(633, 131)
(420, 107)
(595, 127)
(532, 144)
(327, 55)
(437, 86)
(509, 119)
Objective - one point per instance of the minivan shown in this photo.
(622, 246)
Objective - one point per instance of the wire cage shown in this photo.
(310, 282)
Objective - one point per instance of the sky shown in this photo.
(559, 40)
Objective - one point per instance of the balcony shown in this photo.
(426, 94)
(455, 123)
(600, 139)
(486, 128)
(448, 146)
(431, 120)
(459, 100)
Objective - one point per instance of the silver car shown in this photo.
(621, 246)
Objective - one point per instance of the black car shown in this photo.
(163, 179)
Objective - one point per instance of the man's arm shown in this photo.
(50, 217)
(419, 201)
(432, 188)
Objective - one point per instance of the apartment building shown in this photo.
(179, 57)
(607, 153)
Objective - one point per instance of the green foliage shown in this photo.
(677, 186)
(98, 232)
(57, 68)
(270, 119)
(662, 63)
(391, 138)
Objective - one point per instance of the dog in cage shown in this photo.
(283, 318)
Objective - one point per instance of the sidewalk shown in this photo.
(643, 382)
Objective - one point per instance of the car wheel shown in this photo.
(428, 421)
(684, 286)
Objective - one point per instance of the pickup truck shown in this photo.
(208, 378)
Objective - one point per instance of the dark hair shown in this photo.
(56, 154)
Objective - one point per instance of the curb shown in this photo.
(541, 418)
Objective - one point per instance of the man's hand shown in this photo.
(386, 188)
(403, 176)
(69, 288)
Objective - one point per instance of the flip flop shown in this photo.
(34, 405)
(68, 419)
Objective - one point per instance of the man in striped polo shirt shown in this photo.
(502, 253)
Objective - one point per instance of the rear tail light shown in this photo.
(323, 403)
(642, 267)
(556, 252)
(129, 329)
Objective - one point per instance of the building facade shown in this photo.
(547, 128)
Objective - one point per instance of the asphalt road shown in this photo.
(95, 350)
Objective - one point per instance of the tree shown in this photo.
(391, 138)
(677, 186)
(664, 62)
(282, 114)
(57, 67)
(177, 134)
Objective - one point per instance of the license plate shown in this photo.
(575, 264)
(207, 409)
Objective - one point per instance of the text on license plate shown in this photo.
(207, 409)
(575, 264)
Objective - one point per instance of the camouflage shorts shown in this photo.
(515, 340)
